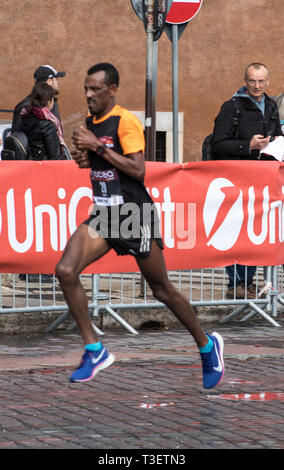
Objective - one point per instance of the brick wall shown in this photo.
(73, 34)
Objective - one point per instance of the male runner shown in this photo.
(113, 147)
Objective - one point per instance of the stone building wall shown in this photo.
(72, 35)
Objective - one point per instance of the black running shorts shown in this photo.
(127, 236)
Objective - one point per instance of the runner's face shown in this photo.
(99, 95)
(256, 82)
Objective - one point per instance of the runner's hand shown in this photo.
(81, 158)
(83, 139)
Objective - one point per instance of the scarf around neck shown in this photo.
(45, 113)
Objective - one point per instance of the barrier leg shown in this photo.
(73, 326)
(234, 314)
(262, 313)
(120, 320)
(57, 322)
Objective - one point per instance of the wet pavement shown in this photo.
(150, 398)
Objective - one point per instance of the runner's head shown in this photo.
(101, 85)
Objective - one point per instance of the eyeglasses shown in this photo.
(254, 82)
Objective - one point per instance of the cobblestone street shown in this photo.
(150, 398)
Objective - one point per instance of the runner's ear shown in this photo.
(113, 89)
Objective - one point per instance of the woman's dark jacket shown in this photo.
(227, 145)
(43, 139)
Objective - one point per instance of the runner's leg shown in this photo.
(83, 248)
(154, 270)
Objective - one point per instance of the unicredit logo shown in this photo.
(223, 214)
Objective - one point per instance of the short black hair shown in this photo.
(111, 73)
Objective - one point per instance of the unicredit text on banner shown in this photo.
(210, 215)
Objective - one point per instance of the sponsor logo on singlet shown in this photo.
(104, 175)
(107, 141)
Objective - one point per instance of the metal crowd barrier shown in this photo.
(111, 293)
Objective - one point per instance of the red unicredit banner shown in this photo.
(211, 214)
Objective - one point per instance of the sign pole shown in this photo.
(180, 13)
(149, 131)
(154, 94)
(175, 90)
(153, 14)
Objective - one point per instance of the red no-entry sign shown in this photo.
(183, 11)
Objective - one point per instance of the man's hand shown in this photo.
(81, 158)
(83, 139)
(258, 142)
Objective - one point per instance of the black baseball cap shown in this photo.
(44, 72)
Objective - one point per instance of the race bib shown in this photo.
(106, 187)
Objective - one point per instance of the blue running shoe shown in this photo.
(212, 362)
(92, 362)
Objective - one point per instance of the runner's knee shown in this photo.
(160, 292)
(64, 273)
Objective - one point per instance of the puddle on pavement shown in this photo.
(259, 396)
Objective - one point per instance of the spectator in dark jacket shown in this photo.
(258, 120)
(41, 126)
(257, 123)
(44, 73)
(44, 133)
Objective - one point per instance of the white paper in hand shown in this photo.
(275, 149)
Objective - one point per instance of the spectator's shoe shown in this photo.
(36, 277)
(29, 277)
(239, 292)
(46, 278)
(253, 294)
(212, 362)
(92, 362)
(231, 293)
(251, 291)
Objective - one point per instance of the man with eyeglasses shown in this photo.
(243, 127)
(258, 120)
